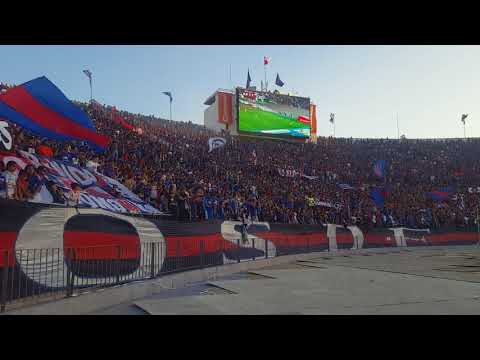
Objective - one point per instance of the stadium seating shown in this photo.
(169, 166)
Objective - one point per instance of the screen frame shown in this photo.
(264, 135)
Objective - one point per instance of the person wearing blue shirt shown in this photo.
(208, 206)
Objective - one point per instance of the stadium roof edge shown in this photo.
(211, 99)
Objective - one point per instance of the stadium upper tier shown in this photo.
(168, 165)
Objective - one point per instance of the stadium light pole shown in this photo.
(89, 75)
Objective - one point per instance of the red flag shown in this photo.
(119, 120)
(266, 60)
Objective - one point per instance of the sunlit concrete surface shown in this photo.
(413, 281)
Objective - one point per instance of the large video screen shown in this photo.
(273, 114)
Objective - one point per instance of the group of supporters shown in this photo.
(26, 185)
(168, 165)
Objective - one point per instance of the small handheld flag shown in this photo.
(379, 168)
(279, 82)
(464, 116)
(266, 60)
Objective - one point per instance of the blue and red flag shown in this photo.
(40, 107)
(379, 194)
(379, 168)
(440, 194)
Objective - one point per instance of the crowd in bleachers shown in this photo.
(168, 165)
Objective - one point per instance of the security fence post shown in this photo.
(69, 272)
(117, 268)
(266, 249)
(238, 250)
(3, 299)
(253, 248)
(152, 260)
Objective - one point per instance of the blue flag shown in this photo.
(379, 194)
(379, 168)
(279, 82)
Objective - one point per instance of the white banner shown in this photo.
(5, 137)
(288, 173)
(215, 143)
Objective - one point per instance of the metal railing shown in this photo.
(33, 274)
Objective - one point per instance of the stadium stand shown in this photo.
(167, 164)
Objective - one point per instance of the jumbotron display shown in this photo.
(273, 114)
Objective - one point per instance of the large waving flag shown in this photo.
(40, 107)
(379, 168)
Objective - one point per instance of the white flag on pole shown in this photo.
(215, 143)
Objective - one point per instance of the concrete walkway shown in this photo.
(441, 280)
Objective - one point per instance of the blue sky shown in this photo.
(365, 86)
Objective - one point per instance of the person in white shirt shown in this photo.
(73, 196)
(10, 176)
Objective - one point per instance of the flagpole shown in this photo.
(170, 109)
(464, 131)
(91, 91)
(398, 129)
(230, 75)
(265, 71)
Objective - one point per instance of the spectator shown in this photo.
(22, 192)
(10, 176)
(73, 196)
(57, 194)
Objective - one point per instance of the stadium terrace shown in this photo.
(167, 167)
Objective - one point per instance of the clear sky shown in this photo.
(365, 86)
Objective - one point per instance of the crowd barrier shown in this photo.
(54, 251)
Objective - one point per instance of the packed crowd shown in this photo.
(168, 165)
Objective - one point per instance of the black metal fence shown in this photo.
(28, 274)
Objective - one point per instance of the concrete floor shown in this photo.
(415, 281)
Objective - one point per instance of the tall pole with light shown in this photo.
(464, 116)
(266, 61)
(332, 120)
(88, 73)
(169, 94)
